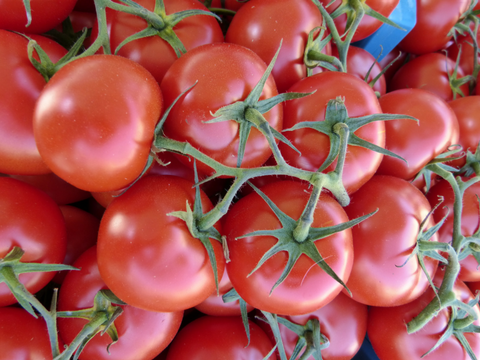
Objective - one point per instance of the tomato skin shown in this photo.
(428, 72)
(31, 220)
(470, 214)
(436, 130)
(226, 73)
(360, 100)
(435, 18)
(381, 245)
(219, 338)
(22, 337)
(19, 90)
(193, 31)
(307, 287)
(46, 14)
(388, 334)
(148, 258)
(261, 25)
(142, 334)
(92, 137)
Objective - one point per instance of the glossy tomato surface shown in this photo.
(95, 119)
(384, 242)
(436, 130)
(141, 334)
(261, 25)
(307, 287)
(212, 337)
(29, 219)
(226, 73)
(149, 258)
(360, 100)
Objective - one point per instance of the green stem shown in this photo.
(13, 282)
(300, 233)
(318, 56)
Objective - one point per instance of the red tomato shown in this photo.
(467, 110)
(307, 287)
(388, 334)
(32, 221)
(148, 258)
(94, 122)
(470, 215)
(429, 72)
(19, 90)
(381, 245)
(22, 336)
(192, 31)
(435, 19)
(142, 334)
(360, 100)
(46, 14)
(226, 73)
(392, 55)
(436, 130)
(261, 25)
(219, 338)
(359, 62)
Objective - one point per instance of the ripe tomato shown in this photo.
(32, 221)
(360, 100)
(388, 334)
(192, 31)
(212, 337)
(429, 72)
(261, 25)
(148, 258)
(382, 245)
(94, 122)
(307, 287)
(436, 130)
(46, 14)
(19, 90)
(435, 19)
(22, 336)
(141, 334)
(226, 73)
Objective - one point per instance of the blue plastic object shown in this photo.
(405, 15)
(366, 351)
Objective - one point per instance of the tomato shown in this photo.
(436, 130)
(148, 258)
(435, 19)
(307, 287)
(470, 221)
(429, 72)
(82, 229)
(392, 55)
(192, 31)
(212, 337)
(382, 245)
(32, 221)
(388, 334)
(141, 334)
(94, 122)
(261, 25)
(19, 90)
(467, 57)
(360, 100)
(22, 336)
(226, 73)
(46, 14)
(359, 62)
(368, 24)
(467, 110)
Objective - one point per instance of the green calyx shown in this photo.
(296, 247)
(248, 113)
(336, 113)
(159, 23)
(100, 318)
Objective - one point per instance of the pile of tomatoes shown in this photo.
(235, 180)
